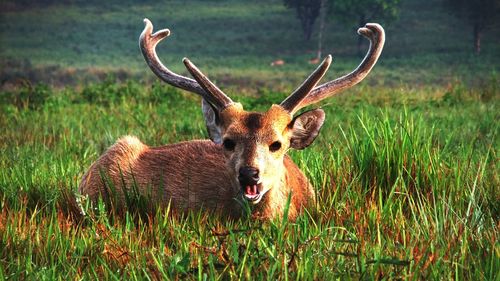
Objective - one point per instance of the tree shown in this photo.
(362, 11)
(307, 12)
(481, 14)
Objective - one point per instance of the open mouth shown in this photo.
(252, 192)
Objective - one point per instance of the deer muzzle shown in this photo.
(250, 184)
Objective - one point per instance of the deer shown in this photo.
(278, 62)
(315, 60)
(244, 167)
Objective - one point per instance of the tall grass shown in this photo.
(406, 181)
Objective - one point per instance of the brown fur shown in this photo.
(190, 176)
(253, 121)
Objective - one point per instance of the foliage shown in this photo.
(406, 181)
(307, 12)
(233, 42)
(481, 14)
(28, 96)
(361, 12)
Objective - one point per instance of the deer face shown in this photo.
(255, 143)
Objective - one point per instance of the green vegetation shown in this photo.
(405, 168)
(407, 185)
(480, 14)
(234, 42)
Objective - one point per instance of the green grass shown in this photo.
(405, 169)
(234, 42)
(406, 181)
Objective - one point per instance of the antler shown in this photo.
(373, 32)
(207, 90)
(292, 102)
(217, 97)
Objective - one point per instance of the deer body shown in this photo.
(167, 175)
(244, 163)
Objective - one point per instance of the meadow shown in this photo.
(405, 169)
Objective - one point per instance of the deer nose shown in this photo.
(249, 175)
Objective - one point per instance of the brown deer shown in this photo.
(244, 165)
(278, 63)
(315, 60)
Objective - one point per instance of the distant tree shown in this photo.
(307, 12)
(481, 14)
(360, 12)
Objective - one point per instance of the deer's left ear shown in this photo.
(212, 121)
(305, 128)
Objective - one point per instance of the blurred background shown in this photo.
(247, 46)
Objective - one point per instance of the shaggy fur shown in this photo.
(189, 175)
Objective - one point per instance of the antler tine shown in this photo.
(375, 33)
(217, 98)
(292, 102)
(148, 42)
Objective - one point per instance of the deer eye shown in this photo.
(275, 146)
(229, 144)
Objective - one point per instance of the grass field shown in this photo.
(405, 169)
(407, 188)
(233, 41)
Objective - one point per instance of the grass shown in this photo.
(405, 168)
(407, 187)
(234, 42)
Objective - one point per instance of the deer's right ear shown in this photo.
(212, 122)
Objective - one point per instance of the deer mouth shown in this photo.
(252, 192)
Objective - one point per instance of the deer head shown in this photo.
(255, 143)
